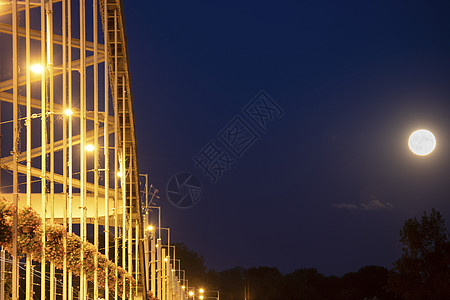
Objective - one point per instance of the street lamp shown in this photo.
(37, 68)
(89, 148)
(184, 279)
(68, 112)
(212, 297)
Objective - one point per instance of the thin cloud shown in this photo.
(371, 205)
(376, 204)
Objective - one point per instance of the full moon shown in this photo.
(422, 142)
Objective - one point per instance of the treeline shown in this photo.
(270, 284)
(421, 273)
(267, 283)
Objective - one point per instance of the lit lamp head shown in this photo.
(191, 293)
(201, 297)
(201, 291)
(68, 112)
(183, 287)
(89, 148)
(37, 68)
(150, 228)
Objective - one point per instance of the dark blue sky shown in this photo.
(331, 182)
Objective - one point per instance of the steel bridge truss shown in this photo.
(68, 146)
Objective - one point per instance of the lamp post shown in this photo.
(180, 286)
(162, 253)
(210, 297)
(154, 261)
(149, 264)
(148, 228)
(192, 294)
(159, 216)
(168, 236)
(184, 279)
(168, 253)
(183, 290)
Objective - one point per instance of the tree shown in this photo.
(265, 283)
(193, 264)
(423, 271)
(369, 282)
(232, 283)
(305, 284)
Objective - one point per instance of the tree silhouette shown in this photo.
(194, 264)
(423, 271)
(265, 283)
(369, 282)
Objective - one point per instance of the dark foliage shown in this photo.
(268, 283)
(423, 271)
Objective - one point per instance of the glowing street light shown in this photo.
(150, 228)
(89, 148)
(191, 293)
(68, 112)
(37, 68)
(201, 297)
(203, 291)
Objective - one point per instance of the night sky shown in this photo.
(330, 182)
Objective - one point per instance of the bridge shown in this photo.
(68, 152)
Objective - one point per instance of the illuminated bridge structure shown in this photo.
(68, 147)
